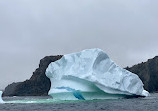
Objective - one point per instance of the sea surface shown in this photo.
(48, 104)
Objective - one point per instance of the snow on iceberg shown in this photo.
(91, 74)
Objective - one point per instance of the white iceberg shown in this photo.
(1, 101)
(91, 74)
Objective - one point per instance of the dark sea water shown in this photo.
(47, 104)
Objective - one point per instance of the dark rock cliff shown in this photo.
(148, 73)
(37, 85)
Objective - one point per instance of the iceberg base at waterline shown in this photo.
(1, 100)
(87, 90)
(91, 74)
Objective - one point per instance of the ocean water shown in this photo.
(46, 103)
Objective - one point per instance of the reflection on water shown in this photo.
(48, 99)
(46, 103)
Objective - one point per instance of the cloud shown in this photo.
(30, 30)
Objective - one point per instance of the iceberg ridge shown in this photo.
(91, 74)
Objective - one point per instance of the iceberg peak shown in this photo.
(93, 75)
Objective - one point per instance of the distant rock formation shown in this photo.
(148, 73)
(37, 85)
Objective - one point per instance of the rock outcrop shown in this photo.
(148, 73)
(37, 85)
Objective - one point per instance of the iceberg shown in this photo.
(1, 101)
(91, 74)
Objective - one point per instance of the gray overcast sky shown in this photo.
(127, 30)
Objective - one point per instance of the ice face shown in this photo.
(1, 101)
(91, 71)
